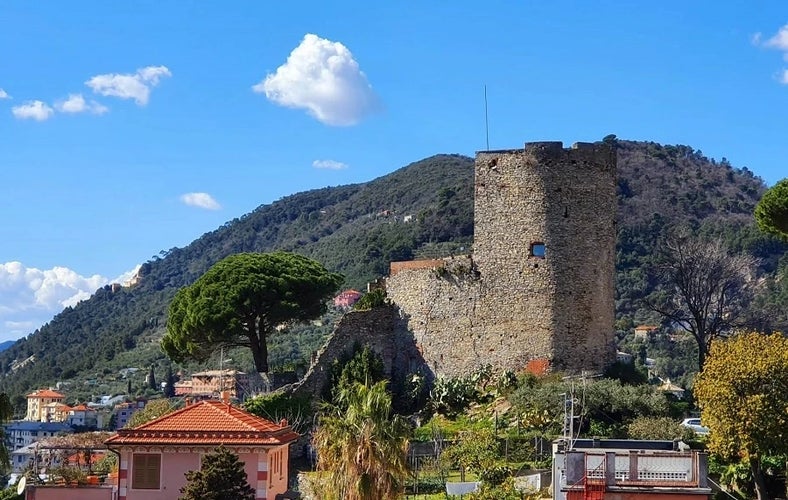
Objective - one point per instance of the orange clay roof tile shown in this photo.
(207, 422)
(45, 393)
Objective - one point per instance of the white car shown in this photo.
(694, 424)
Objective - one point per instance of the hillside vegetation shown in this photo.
(422, 210)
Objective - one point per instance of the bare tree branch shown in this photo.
(704, 290)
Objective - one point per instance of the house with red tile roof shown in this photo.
(37, 402)
(54, 412)
(155, 456)
(84, 416)
(346, 299)
(645, 331)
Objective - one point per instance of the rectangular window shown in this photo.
(146, 471)
(271, 468)
(537, 250)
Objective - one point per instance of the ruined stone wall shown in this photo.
(541, 281)
(439, 306)
(381, 329)
(414, 264)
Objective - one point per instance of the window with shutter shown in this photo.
(146, 471)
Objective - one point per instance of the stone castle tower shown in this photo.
(539, 287)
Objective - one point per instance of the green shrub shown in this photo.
(658, 428)
(504, 491)
(363, 366)
(10, 494)
(371, 300)
(452, 396)
(297, 410)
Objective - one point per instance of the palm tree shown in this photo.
(361, 447)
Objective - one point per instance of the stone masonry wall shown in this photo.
(510, 303)
(381, 330)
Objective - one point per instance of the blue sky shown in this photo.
(130, 128)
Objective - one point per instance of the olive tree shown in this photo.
(153, 409)
(242, 300)
(743, 395)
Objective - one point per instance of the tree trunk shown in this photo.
(757, 476)
(259, 352)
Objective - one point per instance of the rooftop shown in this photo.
(26, 425)
(207, 422)
(218, 373)
(45, 393)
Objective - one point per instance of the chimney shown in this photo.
(283, 422)
(225, 395)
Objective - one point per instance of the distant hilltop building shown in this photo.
(645, 331)
(346, 299)
(41, 404)
(211, 383)
(538, 290)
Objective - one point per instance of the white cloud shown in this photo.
(33, 110)
(30, 297)
(4, 94)
(135, 86)
(77, 104)
(329, 164)
(321, 77)
(200, 200)
(779, 41)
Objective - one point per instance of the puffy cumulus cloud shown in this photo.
(779, 41)
(33, 110)
(135, 86)
(200, 200)
(77, 104)
(4, 94)
(323, 78)
(30, 297)
(329, 164)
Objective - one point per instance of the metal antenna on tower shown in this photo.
(486, 120)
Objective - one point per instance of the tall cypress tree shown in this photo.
(169, 389)
(152, 379)
(222, 477)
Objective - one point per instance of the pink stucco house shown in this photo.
(346, 299)
(155, 456)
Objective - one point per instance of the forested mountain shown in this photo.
(422, 210)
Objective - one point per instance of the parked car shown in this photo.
(694, 424)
